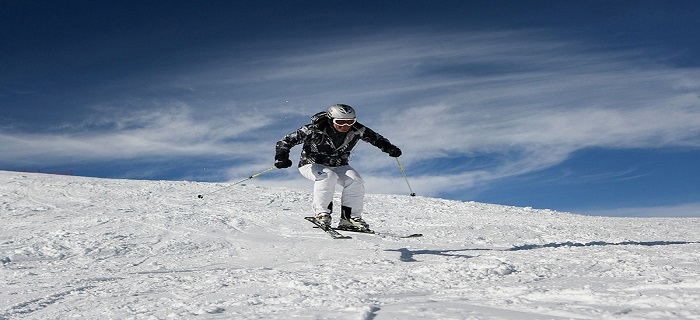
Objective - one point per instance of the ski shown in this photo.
(412, 235)
(330, 231)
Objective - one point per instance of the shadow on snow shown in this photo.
(407, 255)
(598, 243)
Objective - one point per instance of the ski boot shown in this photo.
(353, 224)
(324, 218)
(348, 222)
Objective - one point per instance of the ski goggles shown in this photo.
(344, 122)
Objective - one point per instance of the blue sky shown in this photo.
(590, 107)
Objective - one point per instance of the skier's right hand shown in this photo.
(281, 164)
(282, 161)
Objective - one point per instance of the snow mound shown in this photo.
(125, 249)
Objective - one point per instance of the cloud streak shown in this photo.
(523, 100)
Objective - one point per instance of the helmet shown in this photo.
(341, 111)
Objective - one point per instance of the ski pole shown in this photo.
(201, 196)
(405, 177)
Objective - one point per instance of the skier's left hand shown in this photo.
(394, 151)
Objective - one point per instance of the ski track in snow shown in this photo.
(87, 248)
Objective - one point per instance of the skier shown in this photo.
(327, 143)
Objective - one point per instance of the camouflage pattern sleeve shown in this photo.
(284, 146)
(376, 139)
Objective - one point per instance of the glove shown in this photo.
(282, 161)
(394, 151)
(281, 164)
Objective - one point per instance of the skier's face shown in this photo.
(341, 128)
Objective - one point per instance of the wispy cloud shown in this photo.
(526, 100)
(165, 132)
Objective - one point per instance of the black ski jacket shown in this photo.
(319, 146)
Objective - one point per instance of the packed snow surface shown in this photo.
(87, 248)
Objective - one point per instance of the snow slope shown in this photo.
(87, 248)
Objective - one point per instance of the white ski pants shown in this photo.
(325, 178)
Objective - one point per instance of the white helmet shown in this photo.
(341, 111)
